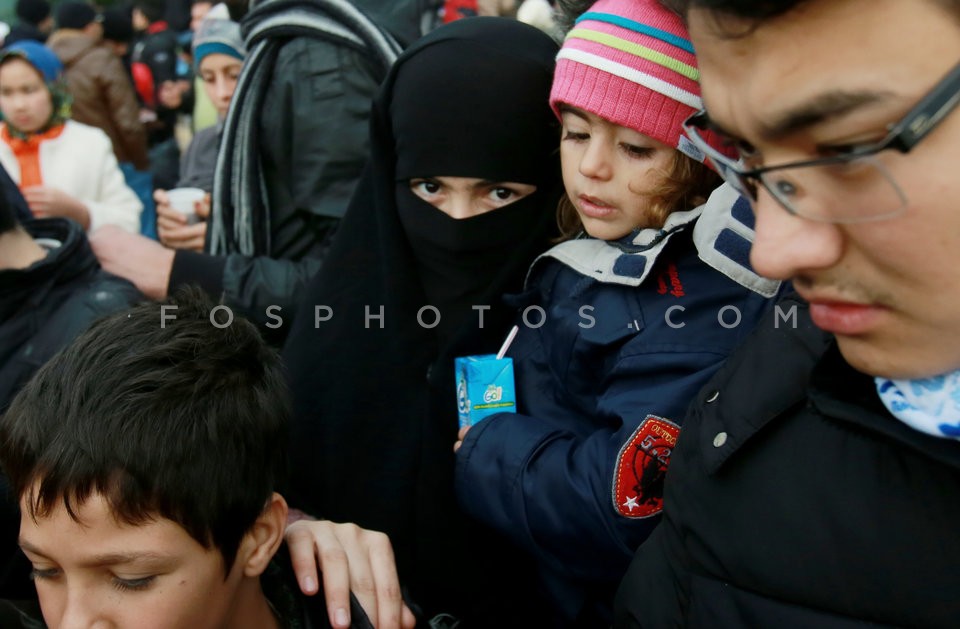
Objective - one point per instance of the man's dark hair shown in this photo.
(153, 10)
(185, 422)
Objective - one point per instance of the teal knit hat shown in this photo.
(217, 34)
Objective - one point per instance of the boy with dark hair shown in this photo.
(145, 457)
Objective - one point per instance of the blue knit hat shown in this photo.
(37, 55)
(48, 65)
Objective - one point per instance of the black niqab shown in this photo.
(374, 398)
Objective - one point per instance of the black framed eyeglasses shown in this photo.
(849, 188)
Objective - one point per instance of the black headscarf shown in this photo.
(375, 409)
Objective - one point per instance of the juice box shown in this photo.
(484, 387)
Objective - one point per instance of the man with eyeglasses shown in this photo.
(816, 482)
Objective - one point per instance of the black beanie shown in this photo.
(75, 15)
(33, 11)
(118, 24)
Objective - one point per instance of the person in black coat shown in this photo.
(375, 408)
(816, 481)
(308, 100)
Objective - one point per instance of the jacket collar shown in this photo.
(840, 392)
(767, 377)
(746, 395)
(722, 232)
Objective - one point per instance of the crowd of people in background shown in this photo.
(703, 253)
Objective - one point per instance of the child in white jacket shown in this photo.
(64, 168)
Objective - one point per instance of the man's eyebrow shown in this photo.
(818, 110)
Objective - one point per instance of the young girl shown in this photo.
(64, 168)
(623, 324)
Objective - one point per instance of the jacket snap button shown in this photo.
(712, 397)
(719, 440)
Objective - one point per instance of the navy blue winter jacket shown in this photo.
(632, 330)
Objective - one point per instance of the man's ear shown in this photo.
(263, 539)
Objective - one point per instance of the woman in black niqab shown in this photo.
(373, 389)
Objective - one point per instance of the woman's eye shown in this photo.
(133, 584)
(425, 187)
(503, 194)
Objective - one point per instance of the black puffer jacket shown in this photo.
(44, 307)
(795, 500)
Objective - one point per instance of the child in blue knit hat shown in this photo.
(40, 145)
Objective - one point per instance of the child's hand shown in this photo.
(350, 559)
(460, 437)
(172, 227)
(45, 202)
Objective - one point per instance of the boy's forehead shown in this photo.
(94, 535)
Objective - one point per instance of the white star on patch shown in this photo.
(631, 503)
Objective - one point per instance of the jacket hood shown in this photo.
(70, 46)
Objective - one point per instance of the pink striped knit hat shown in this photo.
(631, 62)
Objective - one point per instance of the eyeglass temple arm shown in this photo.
(928, 113)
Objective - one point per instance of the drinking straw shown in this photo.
(507, 342)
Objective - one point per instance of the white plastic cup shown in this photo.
(183, 200)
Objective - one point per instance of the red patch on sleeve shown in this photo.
(641, 468)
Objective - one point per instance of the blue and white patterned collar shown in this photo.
(722, 234)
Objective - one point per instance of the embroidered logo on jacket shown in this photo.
(670, 276)
(641, 468)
